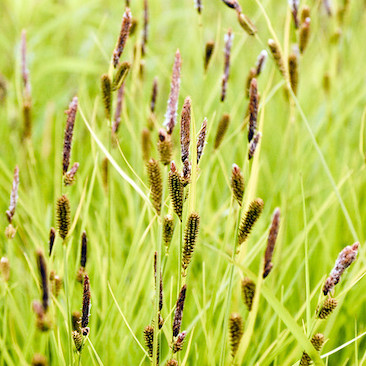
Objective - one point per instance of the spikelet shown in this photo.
(105, 173)
(146, 144)
(172, 363)
(63, 216)
(253, 145)
(248, 292)
(118, 111)
(161, 282)
(178, 344)
(120, 75)
(326, 308)
(178, 313)
(293, 71)
(165, 147)
(190, 238)
(305, 13)
(5, 268)
(317, 341)
(106, 88)
(253, 108)
(70, 176)
(198, 5)
(156, 184)
(84, 248)
(201, 140)
(304, 35)
(252, 74)
(176, 190)
(13, 196)
(44, 279)
(78, 340)
(149, 339)
(248, 221)
(125, 30)
(86, 303)
(185, 129)
(145, 29)
(171, 112)
(277, 55)
(247, 24)
(76, 321)
(71, 115)
(168, 230)
(154, 95)
(261, 61)
(209, 49)
(236, 332)
(39, 360)
(294, 5)
(237, 184)
(227, 51)
(346, 257)
(221, 130)
(272, 237)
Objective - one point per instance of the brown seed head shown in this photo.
(76, 321)
(5, 268)
(118, 112)
(272, 237)
(161, 282)
(235, 331)
(277, 55)
(201, 140)
(78, 340)
(326, 308)
(145, 29)
(39, 360)
(261, 61)
(123, 35)
(221, 130)
(63, 216)
(172, 363)
(84, 248)
(70, 176)
(44, 279)
(178, 314)
(190, 238)
(305, 13)
(250, 218)
(146, 144)
(293, 71)
(248, 292)
(71, 115)
(253, 108)
(304, 35)
(253, 145)
(178, 344)
(156, 184)
(210, 46)
(168, 230)
(252, 74)
(227, 51)
(294, 5)
(149, 339)
(86, 303)
(106, 88)
(154, 95)
(247, 24)
(185, 126)
(176, 190)
(120, 75)
(165, 147)
(237, 184)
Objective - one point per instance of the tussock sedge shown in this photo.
(134, 233)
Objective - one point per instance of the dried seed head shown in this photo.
(70, 176)
(272, 237)
(201, 140)
(84, 248)
(149, 339)
(304, 35)
(247, 24)
(76, 321)
(63, 216)
(120, 75)
(326, 308)
(294, 5)
(305, 13)
(168, 230)
(123, 35)
(71, 115)
(236, 332)
(227, 51)
(176, 190)
(165, 147)
(317, 341)
(86, 303)
(44, 279)
(5, 268)
(39, 360)
(252, 74)
(106, 88)
(253, 108)
(261, 62)
(190, 238)
(248, 221)
(118, 112)
(210, 46)
(178, 344)
(221, 130)
(172, 363)
(154, 95)
(146, 144)
(248, 292)
(185, 126)
(277, 55)
(253, 145)
(78, 340)
(13, 196)
(293, 71)
(171, 112)
(156, 184)
(346, 257)
(237, 184)
(178, 314)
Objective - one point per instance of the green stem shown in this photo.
(68, 318)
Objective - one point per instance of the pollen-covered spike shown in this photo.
(250, 218)
(106, 88)
(156, 184)
(326, 308)
(168, 230)
(248, 292)
(176, 190)
(190, 238)
(63, 216)
(236, 332)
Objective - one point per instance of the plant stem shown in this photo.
(68, 319)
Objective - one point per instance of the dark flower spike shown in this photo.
(227, 51)
(63, 216)
(248, 292)
(156, 184)
(106, 87)
(190, 238)
(250, 218)
(51, 240)
(272, 237)
(86, 303)
(235, 331)
(125, 30)
(210, 46)
(253, 108)
(221, 130)
(118, 112)
(13, 196)
(176, 190)
(178, 314)
(165, 147)
(44, 279)
(201, 140)
(154, 95)
(237, 184)
(71, 115)
(326, 308)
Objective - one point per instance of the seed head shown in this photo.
(149, 339)
(13, 196)
(178, 344)
(176, 190)
(210, 46)
(278, 58)
(168, 230)
(248, 292)
(69, 177)
(252, 74)
(156, 184)
(221, 130)
(78, 340)
(146, 144)
(118, 112)
(123, 35)
(201, 140)
(44, 279)
(293, 71)
(120, 75)
(161, 282)
(326, 308)
(253, 108)
(178, 314)
(185, 129)
(253, 145)
(190, 238)
(86, 303)
(154, 95)
(304, 35)
(294, 5)
(317, 341)
(247, 24)
(172, 363)
(106, 88)
(71, 115)
(261, 61)
(250, 218)
(346, 257)
(227, 51)
(305, 13)
(237, 184)
(165, 147)
(39, 360)
(63, 216)
(233, 4)
(236, 332)
(272, 237)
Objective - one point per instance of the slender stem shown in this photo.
(228, 302)
(68, 320)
